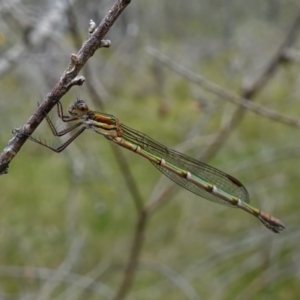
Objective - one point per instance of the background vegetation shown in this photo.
(68, 220)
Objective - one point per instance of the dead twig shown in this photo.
(132, 263)
(242, 101)
(67, 80)
(225, 94)
(96, 96)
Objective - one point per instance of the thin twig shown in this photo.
(66, 277)
(97, 94)
(66, 266)
(223, 93)
(251, 90)
(175, 278)
(260, 81)
(97, 99)
(35, 36)
(132, 264)
(248, 92)
(241, 101)
(85, 282)
(127, 175)
(67, 80)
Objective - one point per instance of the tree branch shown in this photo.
(132, 263)
(67, 80)
(227, 95)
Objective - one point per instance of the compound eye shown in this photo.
(82, 108)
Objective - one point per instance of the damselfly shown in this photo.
(195, 176)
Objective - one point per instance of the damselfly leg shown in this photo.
(55, 132)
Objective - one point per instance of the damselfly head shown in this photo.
(78, 109)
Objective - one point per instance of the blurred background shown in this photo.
(68, 220)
